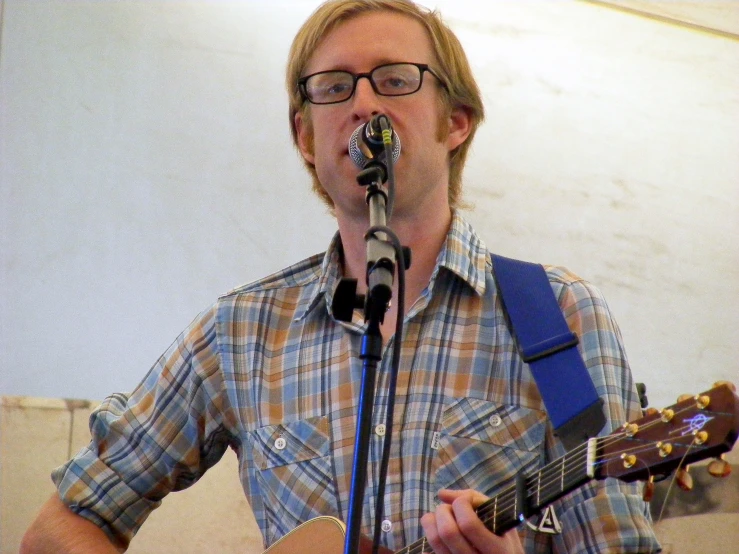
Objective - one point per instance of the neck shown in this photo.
(424, 234)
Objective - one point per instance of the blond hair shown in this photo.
(461, 90)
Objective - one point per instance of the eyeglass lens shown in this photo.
(387, 80)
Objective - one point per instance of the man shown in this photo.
(269, 371)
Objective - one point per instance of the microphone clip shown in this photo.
(374, 174)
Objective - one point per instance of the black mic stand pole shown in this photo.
(380, 271)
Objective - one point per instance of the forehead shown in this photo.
(371, 39)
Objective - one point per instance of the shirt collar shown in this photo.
(328, 279)
(463, 254)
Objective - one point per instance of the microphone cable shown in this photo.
(392, 238)
(393, 379)
(387, 141)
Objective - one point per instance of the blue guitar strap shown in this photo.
(546, 343)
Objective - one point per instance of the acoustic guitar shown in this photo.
(696, 428)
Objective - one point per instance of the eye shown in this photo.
(394, 81)
(397, 79)
(327, 87)
(338, 88)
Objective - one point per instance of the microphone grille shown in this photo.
(359, 158)
(355, 153)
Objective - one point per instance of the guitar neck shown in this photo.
(698, 427)
(695, 428)
(529, 495)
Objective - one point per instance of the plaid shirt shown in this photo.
(269, 372)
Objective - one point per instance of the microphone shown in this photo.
(365, 144)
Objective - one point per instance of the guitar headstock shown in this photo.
(703, 426)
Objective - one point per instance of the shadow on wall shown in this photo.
(39, 434)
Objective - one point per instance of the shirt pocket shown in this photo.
(483, 445)
(294, 471)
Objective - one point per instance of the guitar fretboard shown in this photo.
(529, 495)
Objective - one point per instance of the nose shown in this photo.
(365, 101)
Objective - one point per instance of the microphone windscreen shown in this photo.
(360, 152)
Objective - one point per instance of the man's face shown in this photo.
(422, 173)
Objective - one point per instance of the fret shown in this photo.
(557, 478)
(495, 516)
(562, 473)
(591, 457)
(538, 488)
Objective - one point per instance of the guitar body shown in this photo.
(322, 535)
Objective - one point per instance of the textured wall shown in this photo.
(146, 167)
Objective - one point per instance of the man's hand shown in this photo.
(454, 527)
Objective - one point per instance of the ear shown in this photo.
(460, 126)
(304, 134)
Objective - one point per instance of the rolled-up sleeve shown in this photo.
(160, 438)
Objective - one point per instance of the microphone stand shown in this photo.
(383, 249)
(380, 270)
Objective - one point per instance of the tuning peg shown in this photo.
(685, 397)
(648, 492)
(684, 479)
(719, 467)
(641, 388)
(651, 411)
(729, 384)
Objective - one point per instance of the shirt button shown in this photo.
(387, 525)
(280, 443)
(495, 420)
(380, 430)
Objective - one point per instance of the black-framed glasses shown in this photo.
(391, 79)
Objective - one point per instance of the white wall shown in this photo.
(146, 167)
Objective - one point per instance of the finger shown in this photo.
(449, 496)
(428, 522)
(470, 525)
(464, 506)
(449, 533)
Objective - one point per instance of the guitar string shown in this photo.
(499, 509)
(558, 474)
(669, 489)
(505, 512)
(616, 437)
(507, 501)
